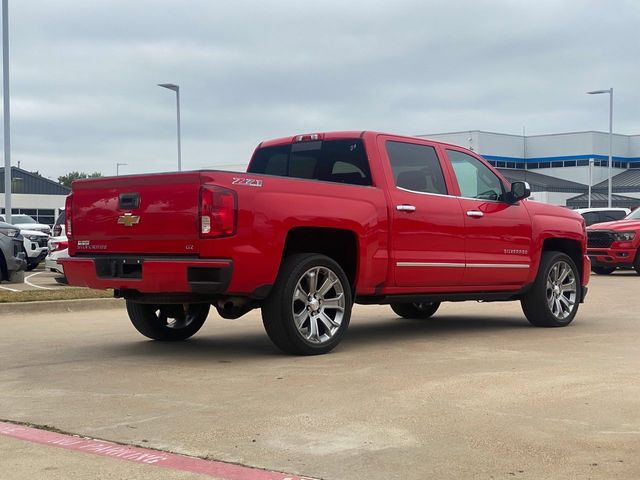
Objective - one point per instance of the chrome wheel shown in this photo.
(177, 316)
(318, 305)
(561, 291)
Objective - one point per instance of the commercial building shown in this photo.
(34, 195)
(560, 167)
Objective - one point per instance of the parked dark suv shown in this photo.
(13, 261)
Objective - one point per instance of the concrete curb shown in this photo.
(61, 306)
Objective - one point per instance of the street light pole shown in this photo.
(118, 165)
(176, 88)
(610, 92)
(590, 181)
(7, 120)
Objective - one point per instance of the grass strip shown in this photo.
(44, 295)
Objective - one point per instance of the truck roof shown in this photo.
(335, 135)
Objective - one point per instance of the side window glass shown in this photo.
(345, 161)
(416, 167)
(475, 179)
(611, 215)
(590, 218)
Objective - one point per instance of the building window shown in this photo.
(521, 166)
(544, 165)
(556, 164)
(582, 163)
(570, 163)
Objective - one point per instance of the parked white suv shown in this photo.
(35, 247)
(603, 214)
(25, 222)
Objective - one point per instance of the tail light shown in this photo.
(218, 212)
(57, 245)
(68, 214)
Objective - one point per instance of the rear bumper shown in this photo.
(36, 259)
(149, 275)
(612, 257)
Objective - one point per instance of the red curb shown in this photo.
(221, 470)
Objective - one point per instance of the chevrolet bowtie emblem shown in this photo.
(128, 219)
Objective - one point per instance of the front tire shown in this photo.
(416, 311)
(309, 307)
(555, 295)
(603, 270)
(636, 263)
(168, 323)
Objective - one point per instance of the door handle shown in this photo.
(406, 208)
(475, 213)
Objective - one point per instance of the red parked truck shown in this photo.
(613, 245)
(319, 222)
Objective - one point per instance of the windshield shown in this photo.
(20, 219)
(635, 215)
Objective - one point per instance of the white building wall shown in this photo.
(21, 200)
(560, 145)
(542, 146)
(601, 145)
(501, 144)
(634, 146)
(470, 139)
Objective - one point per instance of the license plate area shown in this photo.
(118, 267)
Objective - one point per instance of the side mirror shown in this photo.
(519, 190)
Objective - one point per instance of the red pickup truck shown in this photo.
(613, 245)
(319, 222)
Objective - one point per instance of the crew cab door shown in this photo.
(497, 233)
(427, 243)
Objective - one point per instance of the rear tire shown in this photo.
(309, 307)
(416, 310)
(168, 323)
(555, 295)
(603, 270)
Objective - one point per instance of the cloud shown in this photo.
(84, 74)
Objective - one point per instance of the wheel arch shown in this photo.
(4, 270)
(338, 244)
(568, 246)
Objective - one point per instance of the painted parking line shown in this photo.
(221, 470)
(10, 289)
(26, 280)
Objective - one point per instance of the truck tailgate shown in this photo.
(151, 214)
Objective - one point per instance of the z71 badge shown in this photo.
(249, 182)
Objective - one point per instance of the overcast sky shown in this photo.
(84, 74)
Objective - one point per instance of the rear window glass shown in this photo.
(342, 161)
(416, 167)
(610, 216)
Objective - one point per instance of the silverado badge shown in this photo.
(128, 219)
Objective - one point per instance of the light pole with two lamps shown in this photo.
(610, 92)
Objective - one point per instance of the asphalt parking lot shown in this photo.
(37, 279)
(474, 393)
